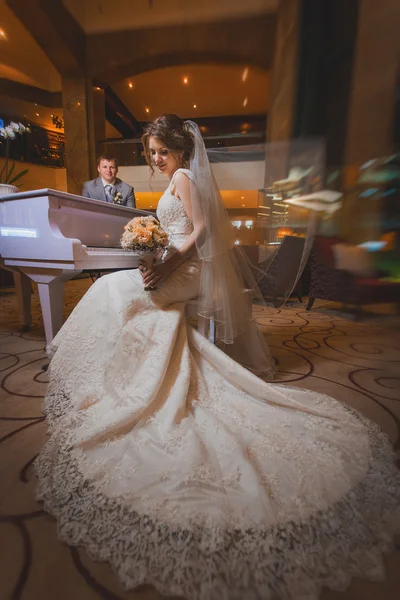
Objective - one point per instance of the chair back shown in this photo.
(277, 276)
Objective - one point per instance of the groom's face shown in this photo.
(107, 170)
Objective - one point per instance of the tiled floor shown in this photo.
(325, 350)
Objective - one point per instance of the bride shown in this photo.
(177, 464)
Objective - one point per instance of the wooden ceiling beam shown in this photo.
(56, 31)
(30, 93)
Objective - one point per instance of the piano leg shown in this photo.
(52, 303)
(51, 294)
(23, 288)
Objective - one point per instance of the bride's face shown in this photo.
(166, 160)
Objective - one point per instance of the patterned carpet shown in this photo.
(324, 350)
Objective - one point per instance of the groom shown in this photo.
(107, 187)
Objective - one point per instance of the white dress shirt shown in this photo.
(106, 182)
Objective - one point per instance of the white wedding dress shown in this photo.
(186, 471)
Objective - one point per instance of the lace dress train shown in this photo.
(186, 471)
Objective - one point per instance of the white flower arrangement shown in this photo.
(9, 132)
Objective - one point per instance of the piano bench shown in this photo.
(94, 275)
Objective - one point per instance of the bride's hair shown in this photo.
(174, 133)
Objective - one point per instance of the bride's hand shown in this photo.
(155, 274)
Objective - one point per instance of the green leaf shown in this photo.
(18, 176)
(10, 172)
(2, 171)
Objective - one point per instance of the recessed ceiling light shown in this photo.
(97, 88)
(37, 114)
(194, 105)
(243, 205)
(242, 198)
(147, 110)
(185, 80)
(245, 102)
(78, 103)
(245, 74)
(130, 84)
(3, 34)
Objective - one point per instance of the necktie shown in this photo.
(108, 189)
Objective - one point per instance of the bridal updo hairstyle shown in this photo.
(173, 132)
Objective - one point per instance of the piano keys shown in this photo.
(49, 237)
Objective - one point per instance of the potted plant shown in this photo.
(8, 177)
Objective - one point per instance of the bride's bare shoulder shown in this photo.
(182, 174)
(181, 183)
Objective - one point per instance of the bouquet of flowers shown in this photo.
(146, 236)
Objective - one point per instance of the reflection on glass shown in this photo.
(18, 232)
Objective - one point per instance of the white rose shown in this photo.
(14, 126)
(128, 239)
(10, 132)
(3, 132)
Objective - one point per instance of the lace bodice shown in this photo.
(172, 215)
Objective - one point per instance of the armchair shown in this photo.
(330, 283)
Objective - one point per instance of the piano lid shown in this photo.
(46, 192)
(39, 223)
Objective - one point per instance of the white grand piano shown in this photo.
(49, 237)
